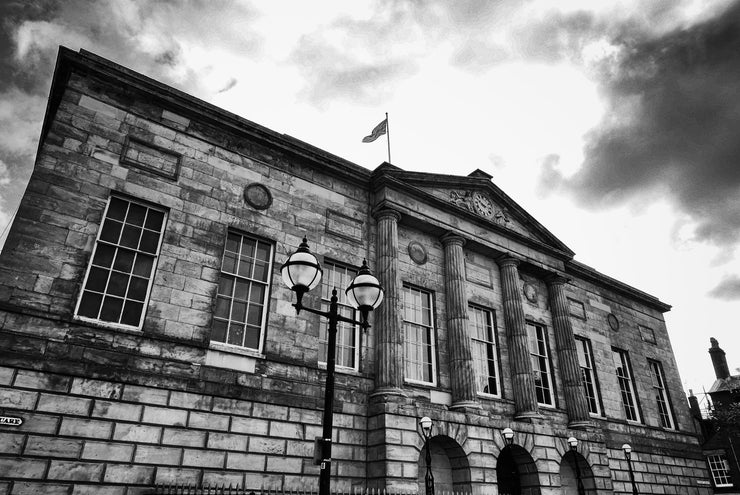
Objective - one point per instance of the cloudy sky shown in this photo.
(616, 124)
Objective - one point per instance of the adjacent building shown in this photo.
(721, 429)
(148, 339)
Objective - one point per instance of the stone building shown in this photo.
(721, 430)
(147, 337)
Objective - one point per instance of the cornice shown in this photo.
(84, 62)
(585, 272)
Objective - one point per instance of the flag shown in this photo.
(378, 131)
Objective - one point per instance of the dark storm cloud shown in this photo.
(149, 37)
(671, 126)
(728, 289)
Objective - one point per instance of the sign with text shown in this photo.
(10, 421)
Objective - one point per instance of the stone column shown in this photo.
(525, 398)
(462, 371)
(388, 344)
(570, 370)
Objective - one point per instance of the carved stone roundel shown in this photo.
(417, 253)
(530, 292)
(257, 196)
(613, 321)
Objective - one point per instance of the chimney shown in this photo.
(694, 405)
(719, 361)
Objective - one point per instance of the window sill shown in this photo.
(341, 369)
(420, 383)
(107, 325)
(228, 357)
(232, 349)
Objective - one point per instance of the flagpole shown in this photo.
(388, 135)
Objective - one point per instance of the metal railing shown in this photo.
(176, 489)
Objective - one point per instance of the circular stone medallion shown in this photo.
(257, 196)
(417, 253)
(530, 292)
(613, 321)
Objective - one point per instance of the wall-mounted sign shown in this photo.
(10, 421)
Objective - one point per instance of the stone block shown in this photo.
(165, 416)
(36, 488)
(286, 430)
(227, 441)
(249, 425)
(147, 395)
(184, 437)
(88, 428)
(208, 421)
(116, 410)
(269, 411)
(11, 443)
(14, 467)
(245, 462)
(167, 475)
(190, 401)
(38, 423)
(149, 454)
(64, 404)
(17, 399)
(6, 375)
(96, 388)
(129, 474)
(42, 381)
(129, 432)
(203, 458)
(52, 447)
(97, 489)
(75, 471)
(267, 445)
(232, 406)
(108, 451)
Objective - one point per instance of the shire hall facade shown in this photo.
(147, 337)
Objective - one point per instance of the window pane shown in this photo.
(131, 313)
(111, 310)
(104, 255)
(154, 220)
(241, 297)
(149, 241)
(136, 214)
(90, 304)
(418, 335)
(336, 275)
(121, 298)
(124, 260)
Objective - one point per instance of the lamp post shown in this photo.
(573, 442)
(628, 454)
(302, 272)
(426, 431)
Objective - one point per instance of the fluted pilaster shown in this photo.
(462, 371)
(525, 399)
(388, 344)
(570, 371)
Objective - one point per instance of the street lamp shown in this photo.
(573, 442)
(426, 431)
(508, 434)
(628, 454)
(302, 272)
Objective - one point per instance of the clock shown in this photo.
(482, 205)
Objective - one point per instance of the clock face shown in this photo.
(482, 205)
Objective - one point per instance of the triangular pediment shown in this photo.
(478, 197)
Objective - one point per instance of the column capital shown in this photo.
(386, 212)
(507, 260)
(451, 237)
(556, 279)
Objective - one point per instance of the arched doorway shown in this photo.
(516, 472)
(572, 466)
(449, 466)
